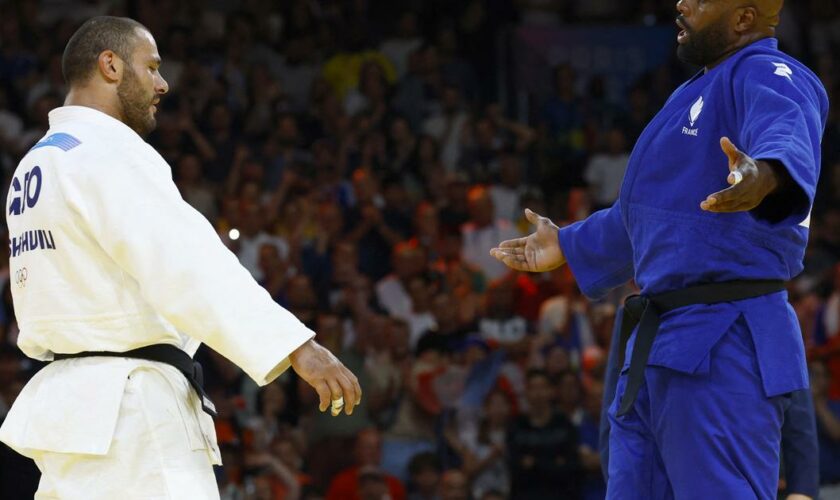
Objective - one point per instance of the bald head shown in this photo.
(714, 30)
(769, 11)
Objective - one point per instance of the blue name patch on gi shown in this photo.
(63, 141)
(31, 240)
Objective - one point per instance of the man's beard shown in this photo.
(135, 104)
(705, 46)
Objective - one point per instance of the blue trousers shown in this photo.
(712, 434)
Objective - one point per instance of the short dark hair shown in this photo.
(96, 35)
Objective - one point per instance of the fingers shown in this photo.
(745, 191)
(732, 153)
(514, 258)
(734, 177)
(324, 394)
(358, 387)
(518, 242)
(349, 390)
(532, 217)
(336, 391)
(512, 254)
(732, 199)
(341, 390)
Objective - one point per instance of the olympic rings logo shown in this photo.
(21, 275)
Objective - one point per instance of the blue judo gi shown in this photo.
(800, 452)
(707, 421)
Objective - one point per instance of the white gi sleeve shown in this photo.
(127, 200)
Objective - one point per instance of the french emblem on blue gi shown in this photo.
(693, 116)
(696, 109)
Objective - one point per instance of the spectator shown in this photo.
(367, 227)
(421, 319)
(605, 171)
(427, 229)
(274, 270)
(370, 97)
(38, 123)
(486, 445)
(372, 485)
(827, 335)
(569, 397)
(543, 447)
(564, 326)
(561, 126)
(454, 485)
(828, 430)
(253, 236)
(193, 188)
(418, 91)
(222, 136)
(593, 485)
(482, 228)
(448, 126)
(367, 452)
(424, 471)
(500, 323)
(405, 41)
(392, 290)
(507, 193)
(316, 254)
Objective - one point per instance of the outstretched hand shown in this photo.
(750, 182)
(537, 252)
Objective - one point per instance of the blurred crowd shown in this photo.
(360, 158)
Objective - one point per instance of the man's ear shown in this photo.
(746, 19)
(111, 66)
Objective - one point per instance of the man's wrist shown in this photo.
(771, 177)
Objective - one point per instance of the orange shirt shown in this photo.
(345, 486)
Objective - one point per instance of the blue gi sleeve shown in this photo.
(781, 110)
(599, 252)
(799, 445)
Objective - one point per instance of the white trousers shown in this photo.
(155, 452)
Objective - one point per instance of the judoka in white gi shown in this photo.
(112, 259)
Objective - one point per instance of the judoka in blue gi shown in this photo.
(711, 220)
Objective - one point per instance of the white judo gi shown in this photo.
(106, 256)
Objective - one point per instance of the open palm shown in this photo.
(540, 251)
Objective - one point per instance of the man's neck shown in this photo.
(88, 99)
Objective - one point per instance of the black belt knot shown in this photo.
(162, 353)
(645, 312)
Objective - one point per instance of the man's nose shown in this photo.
(161, 86)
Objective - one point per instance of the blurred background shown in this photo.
(361, 157)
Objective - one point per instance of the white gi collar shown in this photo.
(67, 114)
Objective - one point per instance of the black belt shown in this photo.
(163, 353)
(644, 311)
